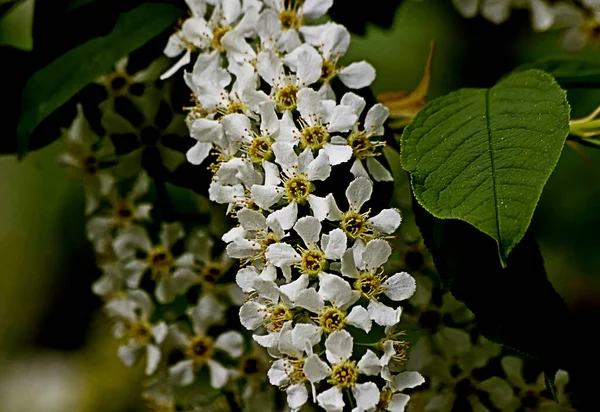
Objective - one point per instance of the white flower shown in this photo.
(84, 159)
(391, 398)
(287, 372)
(278, 26)
(319, 120)
(112, 281)
(364, 147)
(200, 349)
(124, 211)
(172, 275)
(364, 263)
(312, 260)
(295, 187)
(359, 225)
(133, 313)
(285, 88)
(217, 34)
(333, 41)
(343, 373)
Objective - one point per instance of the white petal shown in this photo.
(297, 395)
(369, 364)
(336, 246)
(313, 9)
(218, 374)
(251, 219)
(269, 66)
(342, 119)
(242, 248)
(320, 168)
(376, 253)
(198, 152)
(251, 315)
(272, 175)
(281, 254)
(285, 217)
(379, 173)
(358, 192)
(310, 105)
(401, 286)
(309, 229)
(398, 402)
(266, 289)
(236, 126)
(386, 221)
(267, 341)
(245, 278)
(153, 359)
(315, 369)
(408, 379)
(359, 317)
(357, 75)
(269, 123)
(356, 102)
(305, 336)
(338, 346)
(337, 153)
(319, 206)
(348, 265)
(265, 196)
(331, 400)
(128, 354)
(376, 117)
(206, 130)
(231, 342)
(277, 375)
(358, 169)
(309, 65)
(182, 373)
(285, 156)
(366, 394)
(382, 314)
(292, 289)
(185, 59)
(334, 289)
(310, 300)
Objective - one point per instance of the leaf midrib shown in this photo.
(492, 162)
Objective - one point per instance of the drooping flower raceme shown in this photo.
(312, 262)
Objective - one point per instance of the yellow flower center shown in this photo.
(327, 70)
(201, 349)
(312, 261)
(140, 332)
(160, 258)
(369, 285)
(354, 224)
(260, 150)
(361, 145)
(278, 316)
(218, 36)
(314, 136)
(332, 319)
(290, 20)
(344, 375)
(298, 188)
(210, 273)
(286, 97)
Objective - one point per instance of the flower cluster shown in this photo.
(164, 284)
(580, 20)
(312, 264)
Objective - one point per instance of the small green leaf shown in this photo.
(549, 376)
(55, 84)
(484, 155)
(569, 71)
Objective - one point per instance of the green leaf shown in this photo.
(484, 155)
(569, 71)
(55, 84)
